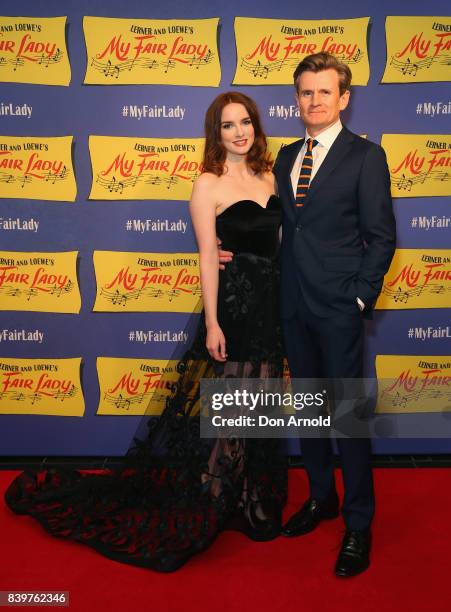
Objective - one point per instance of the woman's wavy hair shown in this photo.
(215, 152)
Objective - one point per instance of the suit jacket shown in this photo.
(339, 245)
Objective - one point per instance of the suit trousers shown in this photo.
(332, 348)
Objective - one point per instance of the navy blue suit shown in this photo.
(335, 248)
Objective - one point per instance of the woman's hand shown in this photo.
(224, 256)
(216, 344)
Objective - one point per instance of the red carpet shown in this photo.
(410, 570)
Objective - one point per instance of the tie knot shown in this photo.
(310, 144)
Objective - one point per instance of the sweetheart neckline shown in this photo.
(273, 195)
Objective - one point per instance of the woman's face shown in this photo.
(237, 131)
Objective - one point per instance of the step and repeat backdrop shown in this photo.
(101, 138)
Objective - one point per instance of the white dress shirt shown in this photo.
(325, 140)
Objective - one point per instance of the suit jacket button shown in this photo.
(298, 228)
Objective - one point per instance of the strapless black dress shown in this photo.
(175, 490)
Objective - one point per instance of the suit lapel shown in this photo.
(337, 152)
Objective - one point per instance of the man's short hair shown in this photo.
(317, 62)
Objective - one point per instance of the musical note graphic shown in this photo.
(37, 59)
(24, 179)
(19, 396)
(171, 180)
(124, 403)
(437, 289)
(35, 398)
(355, 59)
(260, 70)
(16, 396)
(47, 60)
(197, 291)
(11, 291)
(115, 186)
(62, 395)
(17, 62)
(173, 293)
(193, 176)
(3, 61)
(409, 67)
(6, 178)
(197, 62)
(402, 400)
(404, 183)
(153, 180)
(108, 69)
(404, 295)
(118, 298)
(149, 64)
(169, 64)
(31, 292)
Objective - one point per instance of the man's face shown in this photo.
(319, 100)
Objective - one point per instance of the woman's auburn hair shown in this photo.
(215, 152)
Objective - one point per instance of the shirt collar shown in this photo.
(327, 138)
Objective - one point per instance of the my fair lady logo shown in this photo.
(40, 280)
(30, 50)
(300, 45)
(46, 384)
(152, 276)
(34, 166)
(152, 161)
(438, 157)
(149, 381)
(435, 270)
(432, 376)
(421, 46)
(145, 45)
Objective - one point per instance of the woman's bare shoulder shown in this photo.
(205, 186)
(205, 190)
(206, 179)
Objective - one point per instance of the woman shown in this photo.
(177, 491)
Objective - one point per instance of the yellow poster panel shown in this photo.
(157, 52)
(268, 50)
(37, 168)
(413, 383)
(147, 282)
(33, 50)
(40, 282)
(144, 168)
(419, 164)
(135, 386)
(417, 279)
(418, 49)
(275, 143)
(41, 386)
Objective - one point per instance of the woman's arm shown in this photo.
(203, 215)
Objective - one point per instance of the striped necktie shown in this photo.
(305, 173)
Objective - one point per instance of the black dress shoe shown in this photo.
(354, 556)
(310, 516)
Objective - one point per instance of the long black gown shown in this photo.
(175, 490)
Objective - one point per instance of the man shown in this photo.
(338, 239)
